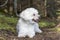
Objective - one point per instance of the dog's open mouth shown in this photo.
(35, 20)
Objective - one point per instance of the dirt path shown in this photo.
(46, 35)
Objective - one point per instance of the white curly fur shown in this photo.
(26, 26)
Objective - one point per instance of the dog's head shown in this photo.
(30, 14)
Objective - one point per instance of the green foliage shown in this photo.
(46, 24)
(58, 13)
(8, 23)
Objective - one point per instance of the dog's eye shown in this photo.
(33, 14)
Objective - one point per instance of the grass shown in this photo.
(44, 23)
(7, 23)
(58, 13)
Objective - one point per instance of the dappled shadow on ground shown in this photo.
(46, 35)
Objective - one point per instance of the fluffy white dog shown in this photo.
(27, 24)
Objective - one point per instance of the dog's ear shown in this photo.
(23, 15)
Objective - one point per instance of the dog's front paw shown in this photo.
(21, 35)
(40, 31)
(31, 35)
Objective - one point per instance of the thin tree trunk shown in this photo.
(45, 8)
(15, 7)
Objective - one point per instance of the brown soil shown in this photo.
(46, 35)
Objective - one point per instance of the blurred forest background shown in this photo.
(49, 21)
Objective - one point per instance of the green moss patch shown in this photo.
(45, 23)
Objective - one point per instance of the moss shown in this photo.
(46, 24)
(8, 23)
(58, 13)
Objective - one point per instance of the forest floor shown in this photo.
(47, 34)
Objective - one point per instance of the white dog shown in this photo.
(27, 25)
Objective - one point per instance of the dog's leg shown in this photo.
(31, 34)
(21, 35)
(36, 27)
